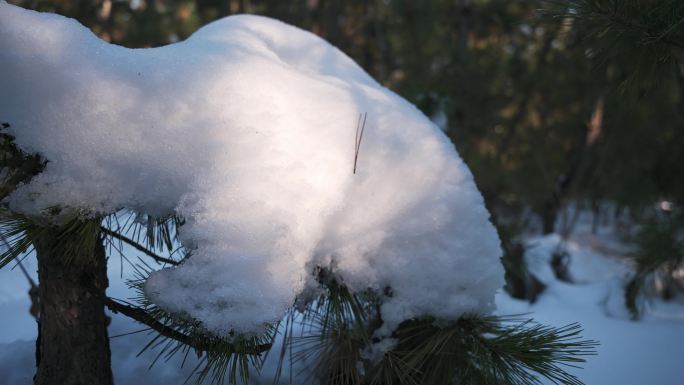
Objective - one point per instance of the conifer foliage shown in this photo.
(331, 333)
(640, 43)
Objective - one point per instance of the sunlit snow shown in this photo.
(247, 130)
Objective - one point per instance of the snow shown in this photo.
(630, 352)
(246, 130)
(641, 352)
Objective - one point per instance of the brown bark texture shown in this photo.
(73, 345)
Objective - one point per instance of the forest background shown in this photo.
(561, 109)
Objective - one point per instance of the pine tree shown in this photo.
(475, 349)
(72, 346)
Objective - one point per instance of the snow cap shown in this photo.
(248, 130)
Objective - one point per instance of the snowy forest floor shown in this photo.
(642, 352)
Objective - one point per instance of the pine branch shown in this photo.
(614, 15)
(223, 357)
(139, 247)
(76, 236)
(640, 38)
(140, 315)
(219, 358)
(33, 290)
(20, 167)
(485, 350)
(659, 252)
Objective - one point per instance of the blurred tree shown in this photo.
(639, 45)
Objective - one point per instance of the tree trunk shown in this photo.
(73, 345)
(549, 214)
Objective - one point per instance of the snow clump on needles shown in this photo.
(248, 131)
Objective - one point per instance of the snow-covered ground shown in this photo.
(649, 351)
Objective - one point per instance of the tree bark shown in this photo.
(73, 344)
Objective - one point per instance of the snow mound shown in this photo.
(248, 130)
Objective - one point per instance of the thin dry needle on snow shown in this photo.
(359, 137)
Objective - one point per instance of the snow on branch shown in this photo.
(243, 130)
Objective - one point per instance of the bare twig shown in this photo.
(33, 291)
